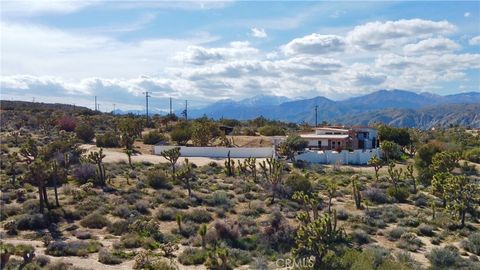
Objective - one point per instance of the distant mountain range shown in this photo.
(394, 107)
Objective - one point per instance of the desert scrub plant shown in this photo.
(395, 233)
(178, 203)
(95, 221)
(193, 256)
(157, 179)
(74, 248)
(443, 257)
(153, 137)
(166, 214)
(198, 216)
(119, 227)
(426, 230)
(106, 257)
(473, 243)
(410, 242)
(400, 194)
(360, 237)
(375, 195)
(107, 140)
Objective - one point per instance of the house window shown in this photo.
(333, 145)
(319, 144)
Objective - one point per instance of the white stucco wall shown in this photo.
(219, 152)
(356, 157)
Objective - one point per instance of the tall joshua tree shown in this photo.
(172, 156)
(97, 159)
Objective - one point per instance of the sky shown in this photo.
(71, 51)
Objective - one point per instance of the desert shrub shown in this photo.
(443, 258)
(157, 179)
(153, 137)
(270, 130)
(239, 257)
(426, 230)
(360, 237)
(473, 243)
(375, 195)
(219, 198)
(198, 216)
(166, 214)
(410, 222)
(95, 221)
(142, 206)
(178, 203)
(295, 182)
(85, 132)
(118, 227)
(122, 210)
(42, 260)
(421, 200)
(401, 194)
(192, 256)
(342, 214)
(278, 234)
(84, 172)
(131, 240)
(83, 235)
(74, 248)
(105, 257)
(473, 155)
(108, 139)
(67, 123)
(181, 134)
(31, 222)
(410, 242)
(396, 233)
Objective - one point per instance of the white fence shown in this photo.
(356, 157)
(219, 152)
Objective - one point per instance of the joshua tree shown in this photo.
(316, 238)
(37, 176)
(461, 194)
(97, 159)
(12, 166)
(202, 231)
(172, 156)
(186, 174)
(395, 175)
(273, 174)
(356, 192)
(310, 203)
(331, 190)
(57, 174)
(376, 163)
(178, 218)
(251, 163)
(229, 166)
(129, 153)
(409, 175)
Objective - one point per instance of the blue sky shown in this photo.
(70, 51)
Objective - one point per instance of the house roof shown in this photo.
(324, 136)
(331, 129)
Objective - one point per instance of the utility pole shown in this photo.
(316, 119)
(170, 106)
(113, 109)
(186, 110)
(146, 102)
(96, 103)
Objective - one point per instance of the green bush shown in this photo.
(443, 258)
(166, 214)
(198, 216)
(410, 242)
(360, 237)
(118, 227)
(426, 230)
(74, 248)
(157, 179)
(473, 155)
(270, 130)
(153, 137)
(181, 134)
(106, 257)
(192, 256)
(295, 182)
(95, 221)
(85, 132)
(108, 139)
(473, 243)
(401, 194)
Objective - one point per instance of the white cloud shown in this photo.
(258, 32)
(377, 35)
(198, 55)
(314, 44)
(432, 45)
(466, 14)
(474, 41)
(39, 50)
(35, 7)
